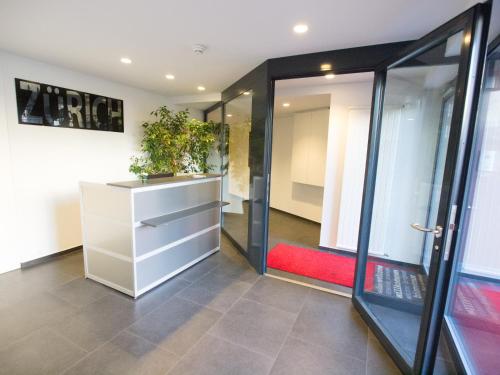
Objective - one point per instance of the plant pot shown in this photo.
(160, 175)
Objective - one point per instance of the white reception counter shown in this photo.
(137, 235)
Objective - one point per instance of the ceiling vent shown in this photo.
(199, 49)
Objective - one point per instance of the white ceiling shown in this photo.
(303, 94)
(91, 36)
(300, 103)
(294, 83)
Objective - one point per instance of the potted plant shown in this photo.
(174, 143)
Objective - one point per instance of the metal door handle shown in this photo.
(438, 231)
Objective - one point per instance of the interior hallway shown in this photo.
(294, 230)
(219, 317)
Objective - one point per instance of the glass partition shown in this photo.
(236, 168)
(215, 156)
(473, 308)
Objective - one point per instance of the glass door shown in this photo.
(473, 309)
(236, 169)
(420, 117)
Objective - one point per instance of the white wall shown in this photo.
(45, 164)
(352, 180)
(308, 150)
(312, 202)
(303, 200)
(481, 249)
(9, 250)
(346, 160)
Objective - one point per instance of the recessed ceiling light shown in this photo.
(229, 115)
(324, 67)
(246, 93)
(286, 104)
(300, 28)
(201, 88)
(329, 76)
(126, 60)
(169, 76)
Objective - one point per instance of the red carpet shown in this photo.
(333, 268)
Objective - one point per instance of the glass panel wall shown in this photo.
(415, 128)
(473, 308)
(236, 168)
(215, 156)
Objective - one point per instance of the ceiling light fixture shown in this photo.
(246, 93)
(169, 76)
(329, 76)
(300, 28)
(201, 88)
(286, 104)
(126, 60)
(229, 115)
(324, 67)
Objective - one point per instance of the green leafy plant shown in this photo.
(174, 143)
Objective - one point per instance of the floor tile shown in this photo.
(81, 292)
(125, 354)
(45, 275)
(298, 357)
(242, 272)
(71, 264)
(331, 321)
(200, 269)
(229, 255)
(24, 317)
(42, 352)
(157, 296)
(281, 294)
(378, 361)
(219, 292)
(255, 326)
(310, 281)
(19, 285)
(98, 322)
(214, 356)
(176, 325)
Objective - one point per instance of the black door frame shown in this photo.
(474, 22)
(261, 82)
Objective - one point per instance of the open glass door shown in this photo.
(244, 162)
(472, 313)
(419, 128)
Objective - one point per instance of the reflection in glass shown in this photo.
(473, 309)
(215, 156)
(416, 121)
(236, 168)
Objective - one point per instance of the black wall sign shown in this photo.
(47, 105)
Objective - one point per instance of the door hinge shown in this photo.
(450, 231)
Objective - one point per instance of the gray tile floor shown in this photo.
(219, 317)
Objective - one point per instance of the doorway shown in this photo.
(413, 177)
(421, 119)
(320, 133)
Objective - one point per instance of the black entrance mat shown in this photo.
(399, 283)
